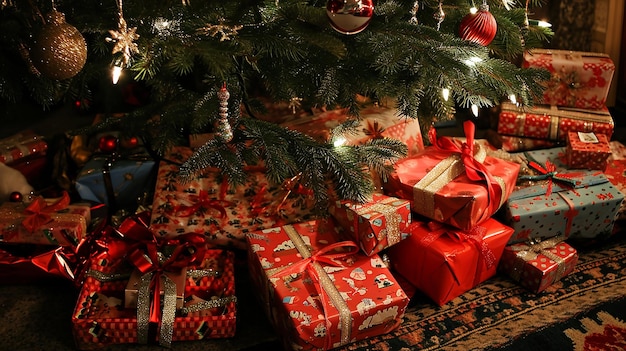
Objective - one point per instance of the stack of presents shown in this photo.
(451, 216)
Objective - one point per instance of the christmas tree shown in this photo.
(208, 66)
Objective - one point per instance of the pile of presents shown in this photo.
(451, 216)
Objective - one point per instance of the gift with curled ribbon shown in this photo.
(44, 221)
(157, 312)
(374, 225)
(453, 181)
(537, 265)
(444, 262)
(556, 201)
(321, 292)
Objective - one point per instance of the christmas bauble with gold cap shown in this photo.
(59, 50)
(349, 16)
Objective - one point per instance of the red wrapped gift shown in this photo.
(100, 319)
(321, 293)
(587, 150)
(24, 145)
(444, 262)
(376, 224)
(551, 122)
(537, 266)
(208, 206)
(28, 264)
(44, 222)
(615, 171)
(578, 79)
(454, 182)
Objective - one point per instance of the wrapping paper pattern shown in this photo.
(512, 143)
(615, 172)
(298, 275)
(552, 123)
(583, 211)
(100, 319)
(592, 154)
(443, 262)
(537, 266)
(578, 79)
(374, 225)
(22, 145)
(207, 205)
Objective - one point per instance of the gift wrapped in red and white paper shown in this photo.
(587, 150)
(552, 122)
(373, 225)
(26, 152)
(615, 171)
(453, 182)
(321, 293)
(44, 221)
(444, 262)
(537, 266)
(224, 214)
(100, 318)
(578, 79)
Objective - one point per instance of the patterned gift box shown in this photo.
(444, 262)
(539, 265)
(20, 146)
(551, 122)
(100, 319)
(207, 205)
(117, 182)
(615, 171)
(587, 150)
(373, 225)
(320, 293)
(580, 204)
(578, 79)
(44, 221)
(513, 143)
(437, 183)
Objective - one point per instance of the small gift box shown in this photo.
(551, 122)
(321, 293)
(587, 150)
(208, 205)
(376, 224)
(44, 221)
(22, 146)
(578, 79)
(131, 292)
(539, 265)
(556, 201)
(115, 180)
(453, 182)
(444, 262)
(100, 318)
(615, 171)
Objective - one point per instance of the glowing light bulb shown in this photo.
(544, 24)
(513, 99)
(475, 110)
(116, 72)
(473, 10)
(339, 141)
(446, 93)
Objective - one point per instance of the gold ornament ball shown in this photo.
(59, 50)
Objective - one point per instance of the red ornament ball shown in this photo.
(108, 143)
(16, 196)
(479, 27)
(349, 16)
(129, 143)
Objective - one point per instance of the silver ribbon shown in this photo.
(168, 311)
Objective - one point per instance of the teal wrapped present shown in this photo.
(116, 182)
(578, 204)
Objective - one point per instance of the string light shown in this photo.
(473, 10)
(445, 92)
(513, 99)
(340, 141)
(116, 72)
(475, 110)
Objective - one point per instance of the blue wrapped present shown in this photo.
(578, 204)
(117, 182)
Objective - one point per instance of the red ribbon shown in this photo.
(38, 211)
(474, 169)
(202, 200)
(549, 172)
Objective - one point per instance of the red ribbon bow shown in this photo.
(38, 211)
(550, 173)
(202, 200)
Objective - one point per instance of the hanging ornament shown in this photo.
(59, 51)
(295, 103)
(349, 16)
(108, 143)
(222, 126)
(16, 196)
(479, 27)
(124, 39)
(221, 30)
(439, 15)
(414, 9)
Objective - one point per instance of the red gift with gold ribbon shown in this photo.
(444, 262)
(454, 181)
(319, 292)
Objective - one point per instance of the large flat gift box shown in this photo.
(444, 262)
(319, 292)
(577, 204)
(100, 319)
(376, 224)
(538, 265)
(208, 205)
(552, 123)
(578, 79)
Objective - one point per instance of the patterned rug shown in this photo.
(588, 306)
